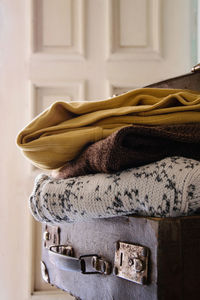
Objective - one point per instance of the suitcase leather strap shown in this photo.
(68, 263)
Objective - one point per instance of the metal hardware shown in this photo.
(196, 68)
(101, 265)
(46, 236)
(137, 265)
(63, 249)
(51, 236)
(67, 250)
(115, 271)
(44, 271)
(62, 257)
(131, 262)
(117, 246)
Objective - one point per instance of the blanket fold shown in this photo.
(134, 146)
(61, 132)
(167, 188)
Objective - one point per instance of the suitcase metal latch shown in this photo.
(131, 262)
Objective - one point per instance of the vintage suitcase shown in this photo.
(129, 257)
(166, 268)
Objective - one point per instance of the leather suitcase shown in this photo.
(129, 257)
(163, 261)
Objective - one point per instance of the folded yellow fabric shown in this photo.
(60, 133)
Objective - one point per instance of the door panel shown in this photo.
(73, 50)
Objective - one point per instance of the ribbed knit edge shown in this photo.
(39, 180)
(191, 192)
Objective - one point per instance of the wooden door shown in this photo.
(72, 50)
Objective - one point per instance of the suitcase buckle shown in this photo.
(100, 265)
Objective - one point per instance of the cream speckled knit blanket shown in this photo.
(167, 188)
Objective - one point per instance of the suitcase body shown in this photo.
(168, 269)
(173, 265)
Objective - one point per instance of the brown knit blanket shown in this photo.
(134, 146)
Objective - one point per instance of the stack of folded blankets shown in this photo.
(137, 153)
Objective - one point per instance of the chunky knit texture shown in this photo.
(168, 188)
(134, 146)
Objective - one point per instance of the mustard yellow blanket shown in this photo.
(60, 133)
